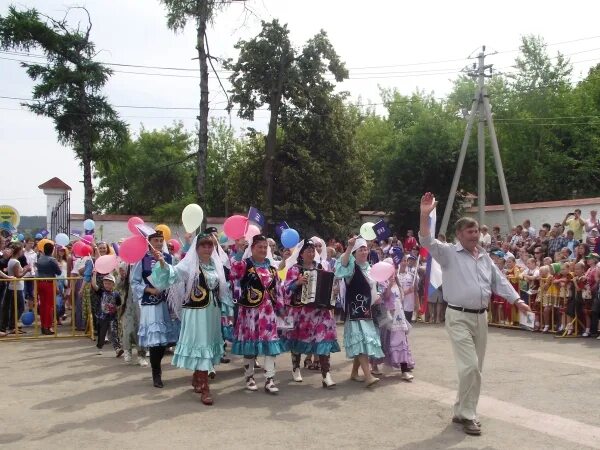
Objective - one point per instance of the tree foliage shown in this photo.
(68, 88)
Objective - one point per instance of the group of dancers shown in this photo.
(244, 296)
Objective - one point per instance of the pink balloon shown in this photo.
(88, 239)
(235, 227)
(252, 231)
(133, 249)
(106, 264)
(382, 271)
(81, 249)
(176, 245)
(131, 224)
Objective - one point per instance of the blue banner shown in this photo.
(279, 228)
(382, 230)
(254, 215)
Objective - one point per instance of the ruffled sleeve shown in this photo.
(345, 272)
(163, 277)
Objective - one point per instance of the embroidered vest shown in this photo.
(358, 297)
(252, 287)
(200, 295)
(147, 264)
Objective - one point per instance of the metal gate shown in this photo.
(60, 219)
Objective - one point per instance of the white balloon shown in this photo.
(192, 216)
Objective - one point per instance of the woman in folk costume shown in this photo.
(198, 287)
(314, 330)
(255, 329)
(321, 252)
(158, 330)
(361, 338)
(394, 328)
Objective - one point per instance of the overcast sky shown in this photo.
(383, 42)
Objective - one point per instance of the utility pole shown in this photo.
(482, 111)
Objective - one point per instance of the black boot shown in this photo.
(157, 378)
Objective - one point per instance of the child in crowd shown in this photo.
(575, 305)
(562, 281)
(547, 297)
(107, 314)
(531, 275)
(513, 274)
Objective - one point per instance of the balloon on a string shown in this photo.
(166, 231)
(89, 225)
(175, 244)
(62, 239)
(192, 217)
(21, 237)
(367, 231)
(290, 238)
(133, 249)
(27, 318)
(382, 271)
(43, 242)
(235, 227)
(38, 236)
(131, 225)
(106, 264)
(252, 231)
(81, 249)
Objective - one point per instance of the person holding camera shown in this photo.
(575, 223)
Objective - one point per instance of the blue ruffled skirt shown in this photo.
(362, 337)
(200, 345)
(157, 328)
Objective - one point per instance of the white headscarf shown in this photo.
(293, 259)
(248, 254)
(360, 242)
(189, 268)
(321, 257)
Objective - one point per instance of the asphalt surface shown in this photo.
(539, 392)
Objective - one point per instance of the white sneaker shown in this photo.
(598, 338)
(251, 384)
(586, 333)
(270, 387)
(142, 361)
(98, 351)
(328, 381)
(127, 357)
(546, 328)
(297, 375)
(407, 376)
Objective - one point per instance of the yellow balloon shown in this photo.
(166, 231)
(43, 242)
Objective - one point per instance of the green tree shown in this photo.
(201, 12)
(69, 86)
(222, 146)
(152, 174)
(269, 71)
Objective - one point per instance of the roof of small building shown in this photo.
(55, 183)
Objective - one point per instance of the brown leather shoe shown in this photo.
(471, 427)
(205, 396)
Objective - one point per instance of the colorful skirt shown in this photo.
(200, 345)
(157, 328)
(361, 337)
(396, 349)
(314, 331)
(255, 331)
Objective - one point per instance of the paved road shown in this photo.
(539, 393)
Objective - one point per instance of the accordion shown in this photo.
(318, 290)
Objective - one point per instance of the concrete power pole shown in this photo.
(482, 111)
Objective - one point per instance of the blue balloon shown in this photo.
(89, 225)
(21, 237)
(39, 236)
(290, 238)
(27, 318)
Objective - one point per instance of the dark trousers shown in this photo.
(108, 323)
(4, 305)
(156, 356)
(408, 315)
(8, 319)
(594, 324)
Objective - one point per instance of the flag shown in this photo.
(254, 215)
(396, 253)
(145, 230)
(433, 271)
(382, 230)
(279, 228)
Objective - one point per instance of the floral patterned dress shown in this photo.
(314, 329)
(255, 329)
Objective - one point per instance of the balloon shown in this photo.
(235, 227)
(382, 271)
(252, 231)
(166, 231)
(43, 242)
(81, 249)
(39, 236)
(62, 239)
(133, 249)
(367, 231)
(27, 318)
(131, 224)
(289, 238)
(89, 224)
(21, 237)
(176, 245)
(192, 216)
(106, 264)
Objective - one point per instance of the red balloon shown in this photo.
(235, 227)
(133, 249)
(131, 224)
(81, 249)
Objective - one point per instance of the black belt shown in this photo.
(473, 311)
